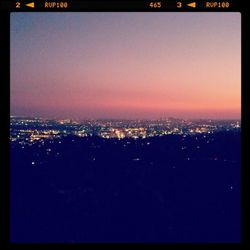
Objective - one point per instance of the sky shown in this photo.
(126, 65)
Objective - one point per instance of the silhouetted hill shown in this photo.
(159, 189)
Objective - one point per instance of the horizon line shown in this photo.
(124, 119)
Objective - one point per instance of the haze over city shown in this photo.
(126, 65)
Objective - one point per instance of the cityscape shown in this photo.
(166, 180)
(32, 130)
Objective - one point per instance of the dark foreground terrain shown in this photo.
(162, 189)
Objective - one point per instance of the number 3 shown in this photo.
(179, 4)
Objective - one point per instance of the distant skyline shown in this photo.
(126, 65)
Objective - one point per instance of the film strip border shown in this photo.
(115, 5)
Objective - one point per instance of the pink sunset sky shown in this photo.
(126, 65)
